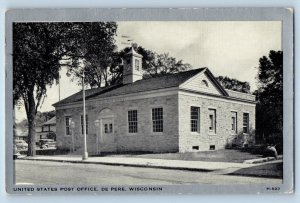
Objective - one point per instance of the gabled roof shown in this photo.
(214, 80)
(134, 53)
(153, 83)
(52, 121)
(150, 84)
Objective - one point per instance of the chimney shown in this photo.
(132, 67)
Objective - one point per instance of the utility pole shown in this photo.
(85, 153)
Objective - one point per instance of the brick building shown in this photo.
(186, 111)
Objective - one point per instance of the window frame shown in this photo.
(247, 124)
(106, 131)
(137, 64)
(68, 126)
(197, 120)
(135, 122)
(234, 113)
(212, 131)
(162, 121)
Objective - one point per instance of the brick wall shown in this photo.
(144, 140)
(223, 122)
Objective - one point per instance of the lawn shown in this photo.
(223, 155)
(274, 170)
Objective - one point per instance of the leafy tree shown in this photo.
(269, 116)
(164, 64)
(38, 53)
(36, 56)
(42, 117)
(96, 51)
(234, 84)
(41, 49)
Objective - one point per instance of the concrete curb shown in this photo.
(261, 160)
(123, 164)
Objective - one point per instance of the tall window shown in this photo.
(212, 120)
(246, 122)
(68, 120)
(195, 114)
(157, 119)
(132, 121)
(137, 64)
(86, 124)
(233, 122)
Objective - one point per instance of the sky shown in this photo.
(227, 48)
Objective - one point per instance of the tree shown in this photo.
(41, 49)
(97, 51)
(269, 116)
(234, 84)
(37, 52)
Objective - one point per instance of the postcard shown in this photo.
(150, 101)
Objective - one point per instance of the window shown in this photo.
(137, 64)
(108, 128)
(195, 147)
(105, 128)
(212, 147)
(157, 119)
(68, 120)
(86, 124)
(132, 121)
(195, 112)
(204, 83)
(234, 122)
(245, 122)
(212, 120)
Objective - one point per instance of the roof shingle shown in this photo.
(153, 83)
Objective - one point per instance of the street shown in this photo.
(47, 172)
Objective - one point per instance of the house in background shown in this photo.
(22, 136)
(186, 111)
(46, 130)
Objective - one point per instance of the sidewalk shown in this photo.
(152, 163)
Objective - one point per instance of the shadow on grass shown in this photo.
(210, 156)
(126, 153)
(271, 170)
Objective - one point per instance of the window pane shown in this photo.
(212, 120)
(195, 119)
(68, 123)
(137, 64)
(132, 121)
(105, 128)
(110, 128)
(157, 119)
(234, 122)
(245, 122)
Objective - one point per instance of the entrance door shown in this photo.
(107, 130)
